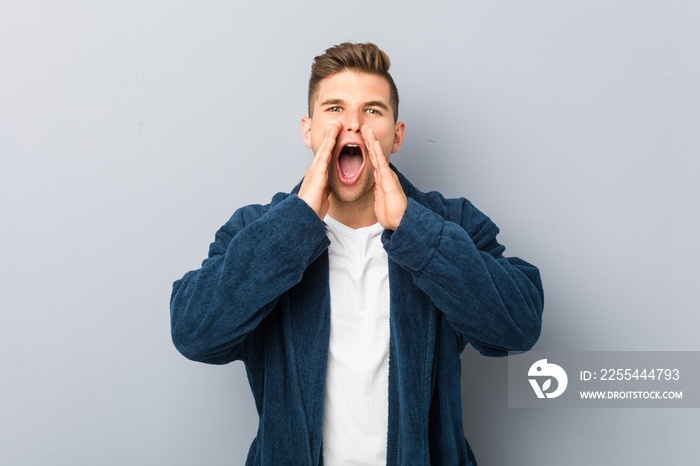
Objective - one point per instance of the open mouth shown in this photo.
(351, 160)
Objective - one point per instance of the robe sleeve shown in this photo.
(494, 302)
(259, 254)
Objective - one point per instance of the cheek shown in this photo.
(387, 145)
(315, 137)
(388, 151)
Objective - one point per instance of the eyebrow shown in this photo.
(377, 103)
(332, 102)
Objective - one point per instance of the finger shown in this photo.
(379, 154)
(377, 178)
(322, 155)
(317, 171)
(381, 168)
(328, 143)
(370, 143)
(379, 201)
(374, 147)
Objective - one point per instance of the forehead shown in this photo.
(353, 86)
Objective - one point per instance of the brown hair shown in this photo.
(365, 58)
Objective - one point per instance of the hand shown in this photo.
(314, 189)
(390, 201)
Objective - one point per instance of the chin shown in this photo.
(351, 193)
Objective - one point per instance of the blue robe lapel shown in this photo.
(412, 351)
(310, 326)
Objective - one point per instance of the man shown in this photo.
(350, 299)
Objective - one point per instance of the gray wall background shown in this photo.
(130, 131)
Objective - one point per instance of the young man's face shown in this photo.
(354, 99)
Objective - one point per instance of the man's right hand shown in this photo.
(314, 189)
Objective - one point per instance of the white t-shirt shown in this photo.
(356, 405)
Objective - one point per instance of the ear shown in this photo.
(306, 131)
(399, 131)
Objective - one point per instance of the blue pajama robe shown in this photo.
(262, 296)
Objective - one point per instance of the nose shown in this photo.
(353, 121)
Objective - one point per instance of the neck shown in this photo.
(355, 214)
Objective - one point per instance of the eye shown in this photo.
(373, 111)
(335, 109)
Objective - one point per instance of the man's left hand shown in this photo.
(390, 201)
